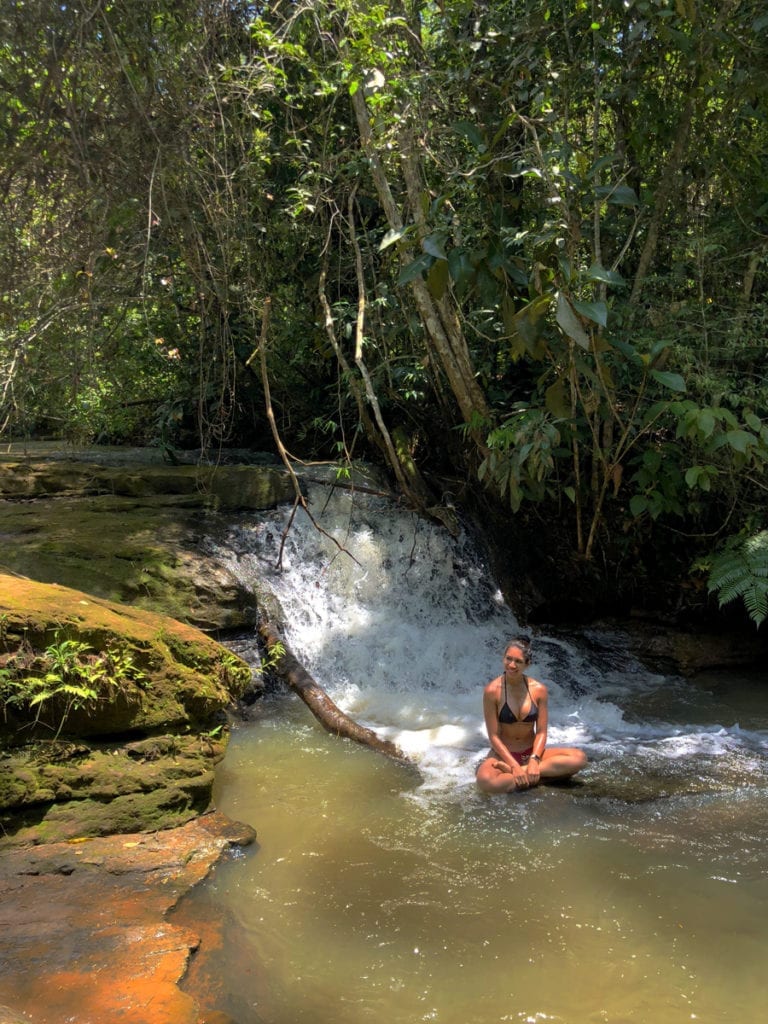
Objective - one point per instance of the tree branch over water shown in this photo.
(331, 717)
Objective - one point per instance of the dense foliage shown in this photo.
(514, 246)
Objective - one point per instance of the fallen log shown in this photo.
(332, 718)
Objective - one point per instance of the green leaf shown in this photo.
(472, 133)
(603, 162)
(569, 323)
(740, 569)
(530, 321)
(619, 195)
(434, 245)
(638, 504)
(740, 440)
(706, 423)
(627, 350)
(597, 312)
(460, 267)
(437, 279)
(673, 381)
(556, 400)
(753, 422)
(414, 269)
(598, 273)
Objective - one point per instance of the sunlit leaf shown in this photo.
(598, 273)
(392, 236)
(375, 80)
(569, 323)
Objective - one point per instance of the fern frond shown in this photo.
(756, 602)
(740, 570)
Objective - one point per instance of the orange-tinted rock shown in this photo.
(83, 927)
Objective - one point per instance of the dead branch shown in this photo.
(261, 351)
(331, 717)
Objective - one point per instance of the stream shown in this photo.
(383, 894)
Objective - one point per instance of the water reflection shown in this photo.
(364, 902)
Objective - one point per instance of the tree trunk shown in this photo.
(332, 718)
(441, 323)
(664, 190)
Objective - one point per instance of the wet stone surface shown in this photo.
(84, 933)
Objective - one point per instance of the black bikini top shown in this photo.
(507, 715)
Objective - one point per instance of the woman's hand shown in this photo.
(519, 774)
(533, 771)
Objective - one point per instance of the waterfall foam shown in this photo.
(403, 625)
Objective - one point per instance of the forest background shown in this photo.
(514, 251)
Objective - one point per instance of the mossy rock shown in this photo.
(148, 554)
(174, 675)
(51, 791)
(128, 752)
(223, 488)
(123, 526)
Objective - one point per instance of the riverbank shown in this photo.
(84, 929)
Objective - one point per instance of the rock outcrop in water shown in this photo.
(97, 551)
(122, 525)
(85, 931)
(112, 715)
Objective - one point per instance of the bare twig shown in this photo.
(261, 351)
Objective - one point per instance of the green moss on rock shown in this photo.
(71, 771)
(146, 553)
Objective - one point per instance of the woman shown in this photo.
(516, 713)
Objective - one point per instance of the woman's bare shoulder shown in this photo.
(493, 689)
(538, 689)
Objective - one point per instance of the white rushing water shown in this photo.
(637, 894)
(404, 626)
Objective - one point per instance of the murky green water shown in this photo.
(369, 900)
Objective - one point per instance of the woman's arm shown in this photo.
(541, 696)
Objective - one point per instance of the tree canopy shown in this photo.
(515, 246)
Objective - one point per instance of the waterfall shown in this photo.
(403, 625)
(377, 896)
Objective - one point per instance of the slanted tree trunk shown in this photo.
(664, 190)
(331, 717)
(441, 323)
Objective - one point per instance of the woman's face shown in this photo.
(514, 660)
